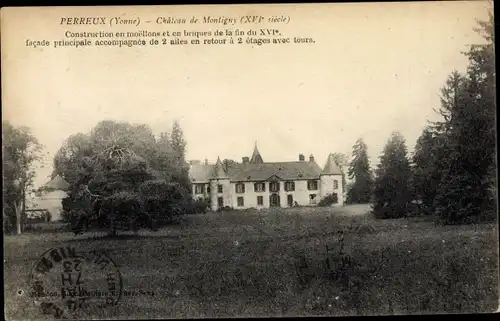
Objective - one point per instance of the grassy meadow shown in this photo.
(286, 262)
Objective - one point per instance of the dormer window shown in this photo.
(260, 187)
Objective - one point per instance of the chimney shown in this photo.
(206, 161)
(246, 160)
(311, 158)
(301, 157)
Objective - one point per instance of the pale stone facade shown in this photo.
(51, 196)
(257, 184)
(52, 201)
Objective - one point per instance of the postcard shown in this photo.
(206, 161)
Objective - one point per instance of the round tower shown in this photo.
(331, 180)
(219, 187)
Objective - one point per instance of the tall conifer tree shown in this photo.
(392, 194)
(359, 171)
(465, 190)
(427, 169)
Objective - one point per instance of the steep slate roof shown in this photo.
(57, 183)
(331, 168)
(256, 172)
(282, 170)
(201, 173)
(260, 171)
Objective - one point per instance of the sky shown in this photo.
(373, 69)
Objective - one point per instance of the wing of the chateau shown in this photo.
(258, 184)
(50, 197)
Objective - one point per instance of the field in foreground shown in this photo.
(282, 263)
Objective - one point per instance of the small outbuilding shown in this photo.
(51, 195)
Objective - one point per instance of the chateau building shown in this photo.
(258, 184)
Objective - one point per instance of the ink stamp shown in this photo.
(68, 283)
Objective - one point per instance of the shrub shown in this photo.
(164, 201)
(197, 206)
(122, 211)
(224, 209)
(150, 204)
(415, 208)
(71, 206)
(201, 206)
(65, 216)
(32, 228)
(66, 209)
(329, 200)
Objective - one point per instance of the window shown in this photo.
(289, 186)
(240, 188)
(241, 202)
(199, 188)
(260, 200)
(274, 186)
(208, 188)
(220, 202)
(335, 184)
(219, 188)
(312, 199)
(312, 185)
(260, 187)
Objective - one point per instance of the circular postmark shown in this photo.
(70, 284)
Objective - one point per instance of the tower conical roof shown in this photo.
(219, 171)
(331, 167)
(256, 158)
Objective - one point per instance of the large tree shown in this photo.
(433, 149)
(136, 138)
(392, 193)
(106, 194)
(427, 169)
(170, 156)
(468, 126)
(178, 144)
(163, 161)
(21, 150)
(107, 170)
(359, 171)
(67, 159)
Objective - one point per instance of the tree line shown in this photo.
(122, 176)
(20, 150)
(452, 172)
